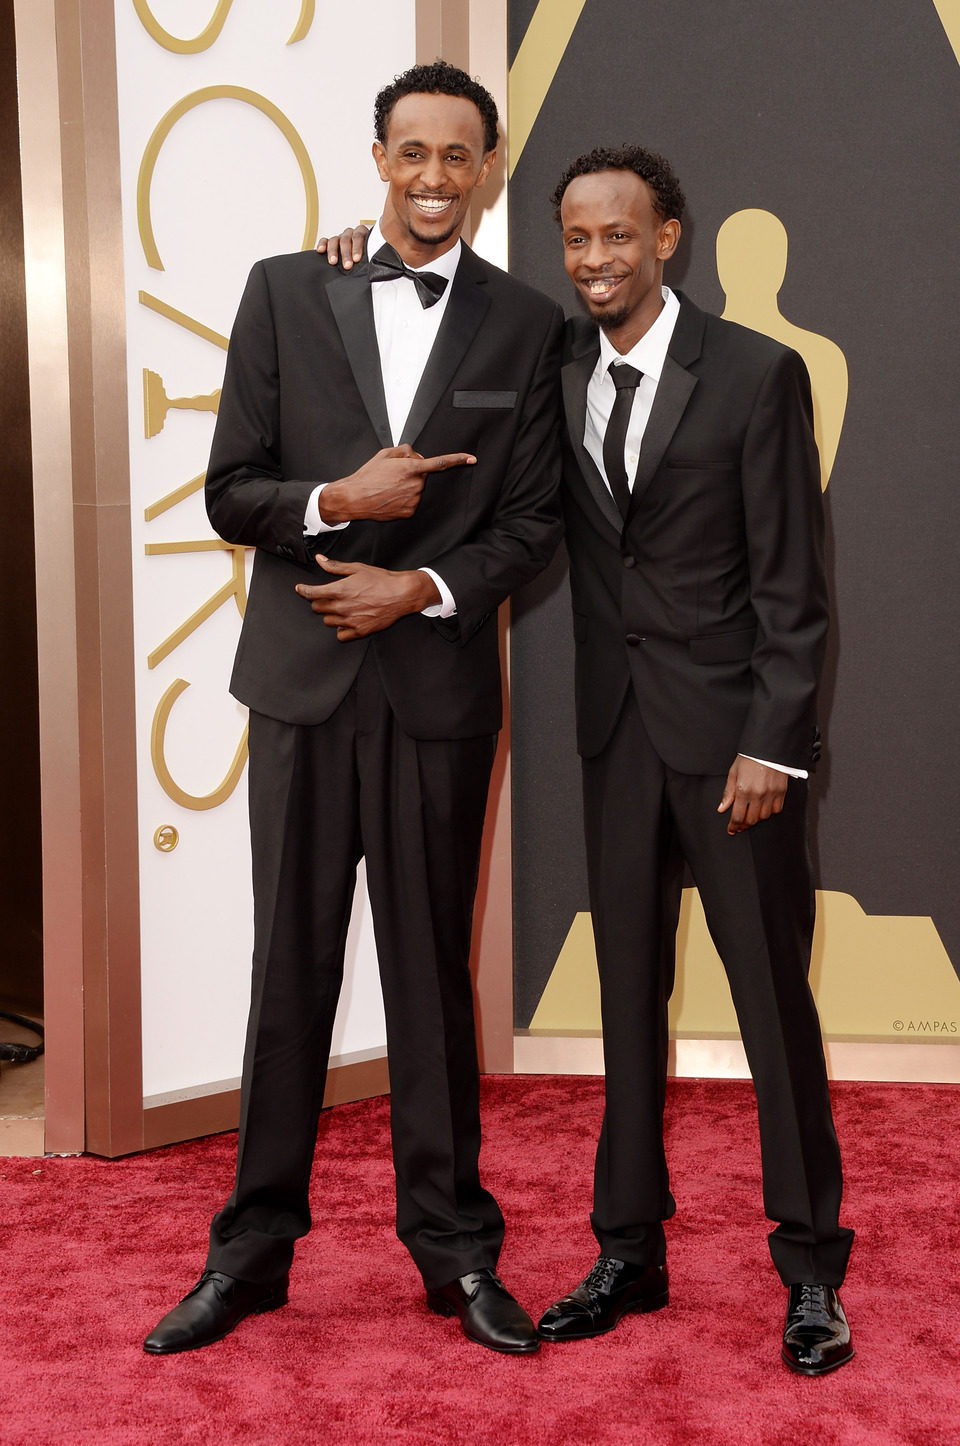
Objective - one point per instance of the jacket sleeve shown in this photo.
(783, 514)
(524, 531)
(248, 500)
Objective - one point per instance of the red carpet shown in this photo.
(95, 1251)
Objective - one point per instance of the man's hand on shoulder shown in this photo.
(367, 599)
(345, 248)
(753, 792)
(386, 487)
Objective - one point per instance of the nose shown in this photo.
(432, 173)
(596, 254)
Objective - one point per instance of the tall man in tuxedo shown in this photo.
(387, 440)
(694, 529)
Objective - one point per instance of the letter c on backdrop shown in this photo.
(165, 126)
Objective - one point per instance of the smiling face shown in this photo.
(432, 161)
(614, 247)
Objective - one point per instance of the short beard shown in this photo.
(611, 320)
(434, 240)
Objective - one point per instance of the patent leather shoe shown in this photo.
(488, 1312)
(612, 1288)
(816, 1338)
(210, 1311)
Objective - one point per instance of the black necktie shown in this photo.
(625, 379)
(387, 266)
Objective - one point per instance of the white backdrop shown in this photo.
(226, 188)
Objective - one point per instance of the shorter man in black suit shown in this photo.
(694, 529)
(387, 441)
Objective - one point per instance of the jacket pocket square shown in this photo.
(485, 399)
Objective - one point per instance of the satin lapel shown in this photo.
(466, 309)
(673, 393)
(353, 312)
(576, 374)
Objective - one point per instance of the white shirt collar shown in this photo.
(445, 265)
(650, 352)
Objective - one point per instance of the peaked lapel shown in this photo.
(673, 393)
(576, 373)
(350, 301)
(466, 309)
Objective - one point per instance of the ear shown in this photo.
(668, 239)
(486, 167)
(380, 157)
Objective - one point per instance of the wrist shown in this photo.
(424, 591)
(331, 505)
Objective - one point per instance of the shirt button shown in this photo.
(629, 560)
(634, 639)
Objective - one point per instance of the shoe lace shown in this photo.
(602, 1275)
(813, 1300)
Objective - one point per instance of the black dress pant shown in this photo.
(643, 820)
(322, 797)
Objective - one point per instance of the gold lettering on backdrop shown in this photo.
(203, 41)
(182, 319)
(166, 838)
(168, 783)
(179, 494)
(206, 333)
(165, 126)
(211, 32)
(156, 403)
(235, 587)
(751, 265)
(302, 28)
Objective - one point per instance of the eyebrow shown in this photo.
(446, 145)
(617, 225)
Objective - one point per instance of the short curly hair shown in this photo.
(668, 199)
(437, 79)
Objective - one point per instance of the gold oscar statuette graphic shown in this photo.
(165, 126)
(875, 977)
(156, 403)
(211, 32)
(751, 265)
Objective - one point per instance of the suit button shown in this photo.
(629, 560)
(634, 639)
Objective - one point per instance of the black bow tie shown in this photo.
(387, 266)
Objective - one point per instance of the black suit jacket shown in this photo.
(303, 403)
(711, 597)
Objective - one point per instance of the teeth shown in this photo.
(435, 204)
(601, 286)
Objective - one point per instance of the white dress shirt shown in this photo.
(406, 332)
(648, 356)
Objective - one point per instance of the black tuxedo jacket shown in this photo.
(303, 403)
(711, 596)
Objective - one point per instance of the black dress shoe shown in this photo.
(612, 1288)
(816, 1338)
(488, 1312)
(210, 1311)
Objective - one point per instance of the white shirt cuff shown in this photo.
(313, 523)
(780, 767)
(446, 607)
